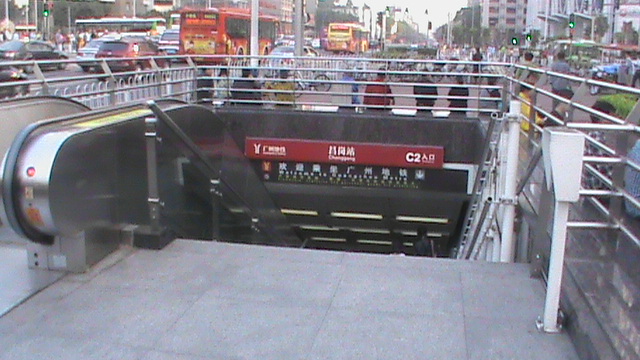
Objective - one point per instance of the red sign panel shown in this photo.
(344, 152)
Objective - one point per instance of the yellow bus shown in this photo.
(347, 38)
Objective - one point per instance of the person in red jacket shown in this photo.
(378, 96)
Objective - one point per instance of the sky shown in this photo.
(438, 9)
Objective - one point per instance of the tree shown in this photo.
(77, 10)
(602, 26)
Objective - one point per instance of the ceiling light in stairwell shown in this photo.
(353, 215)
(429, 234)
(370, 231)
(374, 242)
(329, 239)
(420, 219)
(299, 212)
(318, 228)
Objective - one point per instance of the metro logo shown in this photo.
(420, 158)
(274, 150)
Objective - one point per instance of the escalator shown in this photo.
(90, 171)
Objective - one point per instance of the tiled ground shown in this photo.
(198, 300)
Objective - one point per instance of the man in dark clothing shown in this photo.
(462, 93)
(425, 93)
(246, 91)
(378, 95)
(477, 57)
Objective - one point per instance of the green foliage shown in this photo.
(77, 10)
(623, 103)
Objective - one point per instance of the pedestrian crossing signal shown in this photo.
(514, 41)
(45, 10)
(529, 37)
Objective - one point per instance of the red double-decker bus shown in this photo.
(223, 31)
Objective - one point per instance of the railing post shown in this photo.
(562, 153)
(509, 192)
(40, 76)
(216, 195)
(153, 198)
(111, 82)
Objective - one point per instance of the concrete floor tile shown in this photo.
(516, 339)
(124, 316)
(279, 282)
(348, 334)
(48, 347)
(231, 329)
(399, 289)
(502, 296)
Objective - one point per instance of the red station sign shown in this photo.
(344, 152)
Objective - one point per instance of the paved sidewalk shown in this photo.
(203, 300)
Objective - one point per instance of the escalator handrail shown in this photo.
(193, 147)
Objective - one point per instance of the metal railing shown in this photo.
(436, 88)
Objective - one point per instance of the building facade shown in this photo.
(505, 18)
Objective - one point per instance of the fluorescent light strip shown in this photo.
(415, 233)
(318, 228)
(299, 212)
(408, 244)
(374, 242)
(330, 239)
(370, 231)
(236, 210)
(350, 215)
(422, 219)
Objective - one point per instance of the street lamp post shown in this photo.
(426, 12)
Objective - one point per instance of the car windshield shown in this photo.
(11, 46)
(170, 36)
(94, 44)
(114, 46)
(282, 50)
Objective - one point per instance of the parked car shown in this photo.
(132, 50)
(88, 53)
(33, 50)
(169, 41)
(10, 74)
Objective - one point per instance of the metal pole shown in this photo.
(297, 27)
(255, 34)
(35, 13)
(546, 20)
(6, 12)
(556, 261)
(426, 12)
(511, 172)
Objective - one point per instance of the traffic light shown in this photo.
(430, 26)
(529, 37)
(46, 10)
(515, 41)
(572, 21)
(379, 21)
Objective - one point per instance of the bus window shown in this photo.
(238, 28)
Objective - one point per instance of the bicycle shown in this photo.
(320, 83)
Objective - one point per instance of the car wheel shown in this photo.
(62, 66)
(86, 68)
